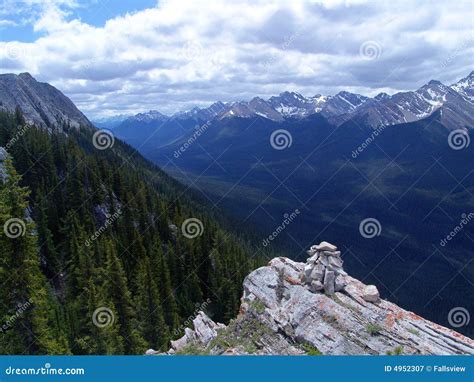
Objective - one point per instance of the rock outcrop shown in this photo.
(316, 308)
(205, 330)
(40, 103)
(3, 170)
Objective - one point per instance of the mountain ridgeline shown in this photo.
(96, 256)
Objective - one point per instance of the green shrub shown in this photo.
(310, 349)
(373, 329)
(397, 351)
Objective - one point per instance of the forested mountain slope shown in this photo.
(98, 252)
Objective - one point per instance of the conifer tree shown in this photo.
(24, 288)
(118, 293)
(149, 308)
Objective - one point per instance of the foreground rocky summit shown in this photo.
(316, 308)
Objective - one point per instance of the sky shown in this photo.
(123, 57)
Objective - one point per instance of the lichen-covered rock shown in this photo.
(339, 283)
(282, 314)
(341, 323)
(329, 278)
(324, 260)
(371, 293)
(3, 171)
(205, 330)
(325, 246)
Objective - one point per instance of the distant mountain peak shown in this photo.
(381, 110)
(465, 87)
(381, 96)
(435, 82)
(39, 102)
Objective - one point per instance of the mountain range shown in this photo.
(456, 102)
(43, 104)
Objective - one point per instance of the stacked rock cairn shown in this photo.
(323, 270)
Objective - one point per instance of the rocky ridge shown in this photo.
(3, 157)
(317, 308)
(40, 103)
(455, 103)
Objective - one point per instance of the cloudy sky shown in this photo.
(115, 57)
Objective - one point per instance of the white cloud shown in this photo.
(184, 53)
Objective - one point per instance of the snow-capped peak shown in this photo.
(465, 87)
